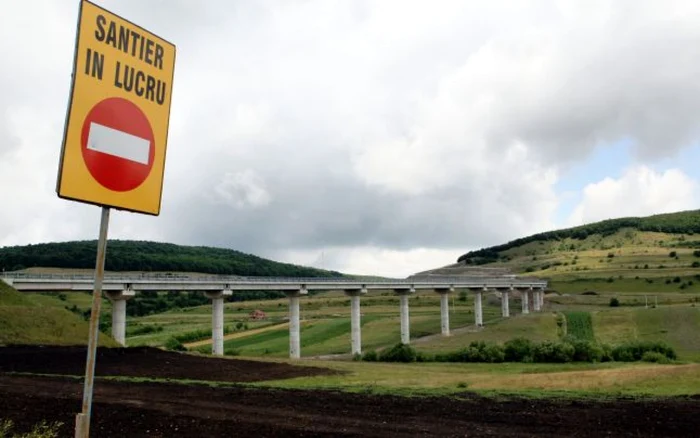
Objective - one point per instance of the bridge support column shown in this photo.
(505, 305)
(217, 321)
(478, 307)
(539, 301)
(525, 300)
(294, 332)
(355, 322)
(405, 321)
(118, 300)
(445, 309)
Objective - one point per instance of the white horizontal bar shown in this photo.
(118, 143)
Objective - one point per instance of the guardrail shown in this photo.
(238, 280)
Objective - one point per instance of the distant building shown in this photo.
(257, 314)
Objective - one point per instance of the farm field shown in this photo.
(265, 397)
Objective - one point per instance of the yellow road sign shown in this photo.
(116, 129)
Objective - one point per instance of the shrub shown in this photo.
(424, 357)
(555, 352)
(370, 356)
(174, 345)
(633, 351)
(145, 329)
(607, 355)
(232, 352)
(611, 255)
(398, 353)
(39, 430)
(477, 351)
(696, 253)
(614, 302)
(672, 254)
(655, 357)
(586, 351)
(518, 350)
(677, 279)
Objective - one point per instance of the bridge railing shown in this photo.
(177, 278)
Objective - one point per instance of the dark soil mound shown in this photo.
(147, 362)
(127, 409)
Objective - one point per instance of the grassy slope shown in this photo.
(676, 325)
(538, 327)
(529, 379)
(23, 321)
(628, 261)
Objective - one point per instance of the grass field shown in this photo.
(25, 320)
(676, 325)
(579, 325)
(608, 379)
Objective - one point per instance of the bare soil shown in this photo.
(126, 409)
(146, 362)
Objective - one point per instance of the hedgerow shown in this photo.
(569, 349)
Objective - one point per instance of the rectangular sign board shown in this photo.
(116, 130)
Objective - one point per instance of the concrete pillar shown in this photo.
(478, 309)
(525, 301)
(403, 306)
(445, 310)
(541, 294)
(537, 300)
(294, 332)
(119, 321)
(531, 298)
(118, 299)
(217, 321)
(355, 321)
(505, 305)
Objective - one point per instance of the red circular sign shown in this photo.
(117, 144)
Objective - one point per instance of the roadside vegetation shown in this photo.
(39, 430)
(621, 315)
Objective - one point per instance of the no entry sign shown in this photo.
(117, 144)
(116, 130)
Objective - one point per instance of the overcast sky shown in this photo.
(374, 137)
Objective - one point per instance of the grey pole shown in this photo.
(82, 420)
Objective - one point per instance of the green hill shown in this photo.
(127, 255)
(683, 223)
(647, 255)
(22, 321)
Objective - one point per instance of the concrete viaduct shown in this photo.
(119, 288)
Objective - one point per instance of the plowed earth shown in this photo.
(125, 409)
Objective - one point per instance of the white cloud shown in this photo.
(368, 260)
(403, 129)
(640, 191)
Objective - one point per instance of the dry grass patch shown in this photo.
(592, 380)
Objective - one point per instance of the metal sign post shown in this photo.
(115, 136)
(82, 420)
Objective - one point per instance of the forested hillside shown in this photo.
(126, 255)
(686, 222)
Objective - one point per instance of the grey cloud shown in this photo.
(303, 125)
